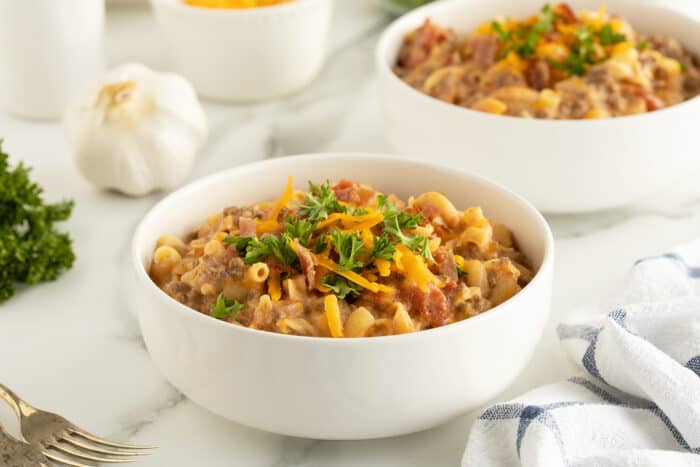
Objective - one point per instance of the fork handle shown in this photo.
(15, 402)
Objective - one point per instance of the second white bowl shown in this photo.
(246, 54)
(559, 165)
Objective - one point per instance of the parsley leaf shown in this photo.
(254, 250)
(341, 286)
(460, 272)
(608, 37)
(241, 243)
(321, 244)
(524, 42)
(320, 202)
(300, 229)
(280, 248)
(503, 36)
(395, 222)
(349, 246)
(643, 44)
(31, 249)
(382, 247)
(225, 308)
(582, 54)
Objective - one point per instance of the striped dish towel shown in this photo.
(637, 399)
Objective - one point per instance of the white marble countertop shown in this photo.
(74, 347)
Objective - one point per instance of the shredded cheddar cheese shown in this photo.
(332, 314)
(273, 285)
(271, 223)
(234, 4)
(383, 266)
(353, 223)
(414, 268)
(352, 276)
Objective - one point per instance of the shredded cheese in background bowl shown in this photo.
(235, 4)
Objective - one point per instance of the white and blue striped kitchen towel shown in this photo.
(637, 399)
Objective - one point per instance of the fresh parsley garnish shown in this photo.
(382, 247)
(256, 250)
(301, 229)
(684, 66)
(225, 308)
(607, 36)
(321, 201)
(349, 247)
(359, 212)
(340, 285)
(524, 41)
(240, 242)
(643, 44)
(582, 54)
(32, 250)
(321, 244)
(395, 222)
(460, 272)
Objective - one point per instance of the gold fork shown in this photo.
(53, 435)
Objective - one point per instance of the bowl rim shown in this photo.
(543, 273)
(263, 11)
(400, 27)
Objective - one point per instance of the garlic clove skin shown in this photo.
(137, 130)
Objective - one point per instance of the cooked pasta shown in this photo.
(558, 64)
(343, 260)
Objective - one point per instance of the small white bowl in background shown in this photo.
(246, 55)
(342, 388)
(559, 165)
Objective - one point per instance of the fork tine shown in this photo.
(63, 461)
(97, 440)
(88, 457)
(89, 447)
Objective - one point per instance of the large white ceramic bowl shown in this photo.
(246, 54)
(560, 166)
(342, 388)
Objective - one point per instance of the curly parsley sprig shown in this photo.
(395, 222)
(225, 308)
(31, 249)
(321, 201)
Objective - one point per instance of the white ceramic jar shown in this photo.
(49, 50)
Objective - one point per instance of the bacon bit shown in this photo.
(352, 276)
(308, 264)
(426, 37)
(433, 306)
(566, 12)
(350, 192)
(446, 265)
(484, 50)
(538, 75)
(247, 226)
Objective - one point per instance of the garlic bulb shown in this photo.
(137, 130)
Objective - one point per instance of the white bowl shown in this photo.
(246, 54)
(560, 166)
(342, 388)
